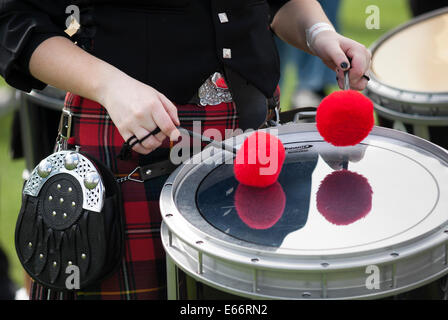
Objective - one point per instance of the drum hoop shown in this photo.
(398, 91)
(177, 256)
(416, 119)
(48, 100)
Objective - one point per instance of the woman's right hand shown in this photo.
(137, 109)
(134, 107)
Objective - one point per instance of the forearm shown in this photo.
(62, 64)
(134, 107)
(292, 20)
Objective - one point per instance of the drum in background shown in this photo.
(38, 122)
(378, 229)
(408, 79)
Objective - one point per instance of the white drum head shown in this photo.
(415, 58)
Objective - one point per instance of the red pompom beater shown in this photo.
(345, 118)
(259, 161)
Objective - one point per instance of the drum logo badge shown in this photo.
(297, 149)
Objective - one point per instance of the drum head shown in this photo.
(374, 199)
(414, 57)
(334, 211)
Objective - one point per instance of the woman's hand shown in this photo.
(334, 50)
(137, 109)
(291, 23)
(134, 107)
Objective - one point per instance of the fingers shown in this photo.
(357, 77)
(163, 116)
(137, 146)
(341, 63)
(360, 65)
(147, 145)
(171, 109)
(340, 74)
(356, 83)
(161, 119)
(342, 54)
(357, 71)
(338, 57)
(336, 51)
(164, 121)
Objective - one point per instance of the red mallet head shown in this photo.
(260, 208)
(344, 197)
(345, 118)
(259, 160)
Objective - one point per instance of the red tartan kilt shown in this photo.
(142, 273)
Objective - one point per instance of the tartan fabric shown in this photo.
(142, 273)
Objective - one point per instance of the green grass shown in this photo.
(352, 17)
(10, 196)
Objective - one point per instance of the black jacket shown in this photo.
(172, 45)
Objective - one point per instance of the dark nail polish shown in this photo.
(344, 65)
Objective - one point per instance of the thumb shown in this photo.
(338, 56)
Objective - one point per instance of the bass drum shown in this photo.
(408, 78)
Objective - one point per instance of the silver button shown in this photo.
(223, 17)
(71, 161)
(91, 180)
(226, 53)
(44, 168)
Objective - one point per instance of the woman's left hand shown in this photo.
(335, 51)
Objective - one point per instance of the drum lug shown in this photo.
(255, 281)
(200, 264)
(446, 252)
(324, 286)
(170, 238)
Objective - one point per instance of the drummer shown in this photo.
(139, 65)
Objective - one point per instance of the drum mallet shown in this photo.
(125, 152)
(345, 118)
(246, 172)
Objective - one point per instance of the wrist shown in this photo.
(314, 31)
(107, 79)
